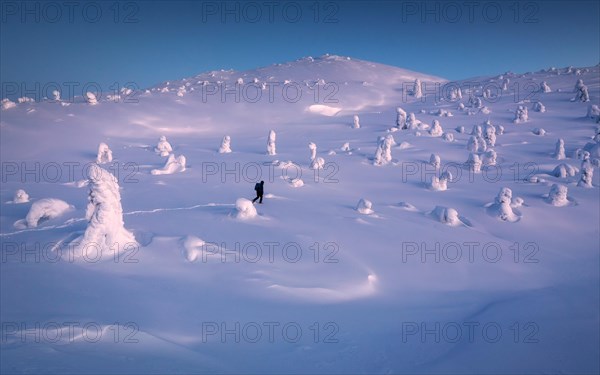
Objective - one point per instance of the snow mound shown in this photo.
(564, 170)
(446, 215)
(173, 165)
(296, 182)
(324, 110)
(245, 209)
(191, 245)
(44, 209)
(364, 206)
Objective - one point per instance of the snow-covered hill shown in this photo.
(458, 275)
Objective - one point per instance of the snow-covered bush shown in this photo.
(8, 104)
(296, 182)
(435, 161)
(475, 102)
(539, 107)
(90, 98)
(225, 145)
(105, 232)
(245, 209)
(271, 147)
(104, 154)
(417, 89)
(436, 129)
(173, 165)
(581, 92)
(474, 163)
(490, 157)
(441, 113)
(544, 87)
(383, 154)
(356, 122)
(448, 137)
(240, 81)
(499, 129)
(559, 151)
(365, 207)
(345, 147)
(476, 131)
(558, 195)
(55, 95)
(163, 147)
(400, 118)
(441, 183)
(460, 129)
(47, 208)
(25, 99)
(446, 215)
(521, 115)
(21, 196)
(539, 131)
(564, 170)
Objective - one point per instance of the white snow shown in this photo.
(43, 209)
(245, 209)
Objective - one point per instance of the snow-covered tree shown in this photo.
(502, 205)
(90, 98)
(412, 122)
(581, 92)
(173, 165)
(105, 231)
(383, 154)
(435, 161)
(460, 129)
(490, 157)
(225, 145)
(499, 129)
(594, 112)
(559, 152)
(315, 162)
(587, 174)
(400, 118)
(436, 129)
(20, 196)
(474, 163)
(476, 131)
(271, 147)
(539, 107)
(476, 144)
(163, 147)
(505, 83)
(356, 122)
(364, 207)
(417, 89)
(448, 137)
(558, 195)
(345, 147)
(490, 134)
(521, 115)
(56, 95)
(104, 154)
(544, 87)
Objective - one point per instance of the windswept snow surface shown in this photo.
(433, 282)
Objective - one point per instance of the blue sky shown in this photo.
(147, 42)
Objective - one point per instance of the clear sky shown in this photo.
(147, 42)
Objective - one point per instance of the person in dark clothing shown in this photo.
(259, 187)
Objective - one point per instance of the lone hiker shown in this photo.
(259, 187)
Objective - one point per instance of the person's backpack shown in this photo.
(257, 186)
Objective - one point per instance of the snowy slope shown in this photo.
(365, 283)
